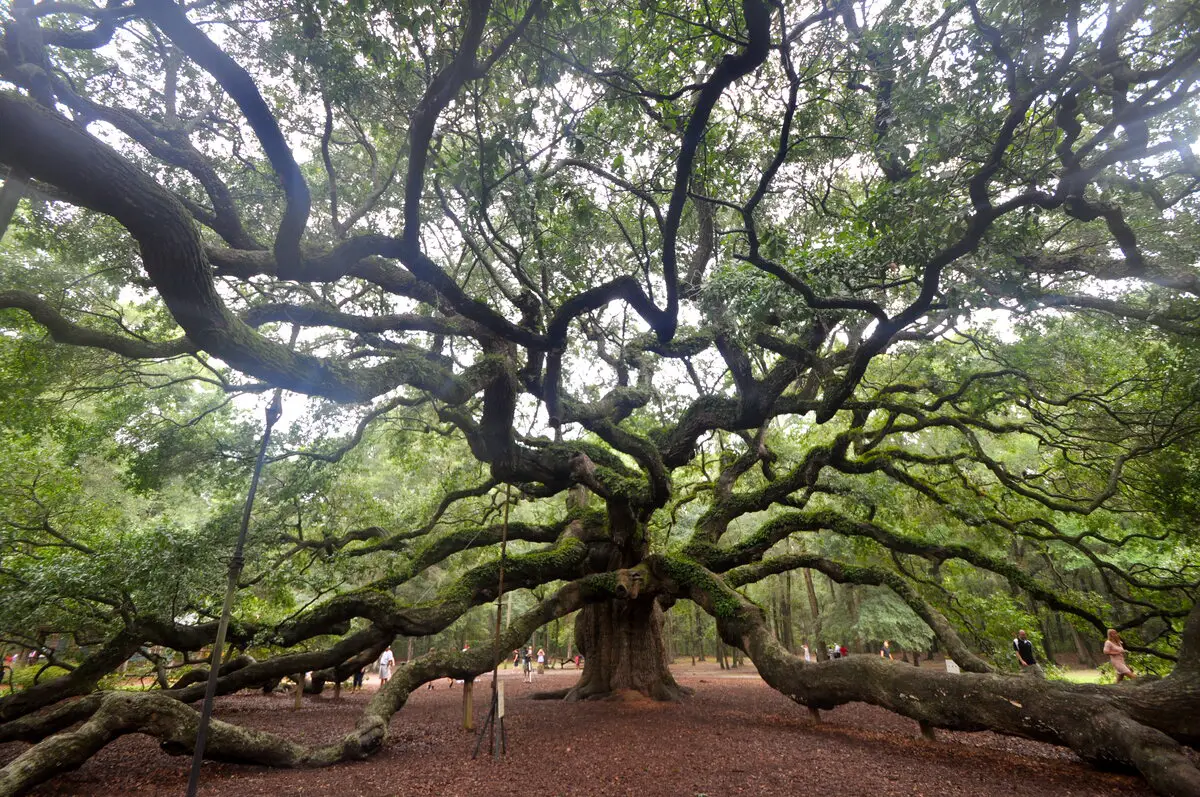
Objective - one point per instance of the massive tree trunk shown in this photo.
(622, 639)
(623, 649)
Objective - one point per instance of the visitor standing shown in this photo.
(807, 652)
(359, 674)
(1115, 650)
(1024, 649)
(885, 652)
(386, 662)
(526, 664)
(541, 660)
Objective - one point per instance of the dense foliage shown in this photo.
(836, 322)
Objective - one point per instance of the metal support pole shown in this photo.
(236, 563)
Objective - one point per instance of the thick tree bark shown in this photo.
(1086, 654)
(624, 649)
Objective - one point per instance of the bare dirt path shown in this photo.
(735, 736)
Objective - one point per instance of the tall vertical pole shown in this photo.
(498, 721)
(236, 563)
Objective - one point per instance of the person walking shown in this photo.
(526, 664)
(359, 674)
(1115, 650)
(1024, 649)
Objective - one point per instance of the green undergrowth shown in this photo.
(1088, 676)
(22, 678)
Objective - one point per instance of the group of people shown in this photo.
(525, 659)
(13, 659)
(841, 652)
(1114, 648)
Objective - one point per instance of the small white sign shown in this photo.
(500, 700)
(952, 667)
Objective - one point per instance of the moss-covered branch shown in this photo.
(722, 559)
(174, 724)
(79, 681)
(1097, 722)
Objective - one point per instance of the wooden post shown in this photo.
(468, 704)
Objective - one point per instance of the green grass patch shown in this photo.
(1088, 676)
(23, 677)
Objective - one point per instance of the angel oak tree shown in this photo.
(705, 270)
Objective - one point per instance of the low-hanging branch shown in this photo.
(1100, 724)
(113, 714)
(780, 527)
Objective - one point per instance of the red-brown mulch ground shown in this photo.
(736, 735)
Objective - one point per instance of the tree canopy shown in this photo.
(678, 298)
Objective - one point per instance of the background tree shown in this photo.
(704, 285)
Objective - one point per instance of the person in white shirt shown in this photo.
(386, 662)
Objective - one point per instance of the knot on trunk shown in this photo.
(629, 584)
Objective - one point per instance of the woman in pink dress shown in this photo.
(1116, 654)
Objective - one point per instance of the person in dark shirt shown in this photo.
(526, 658)
(1024, 650)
